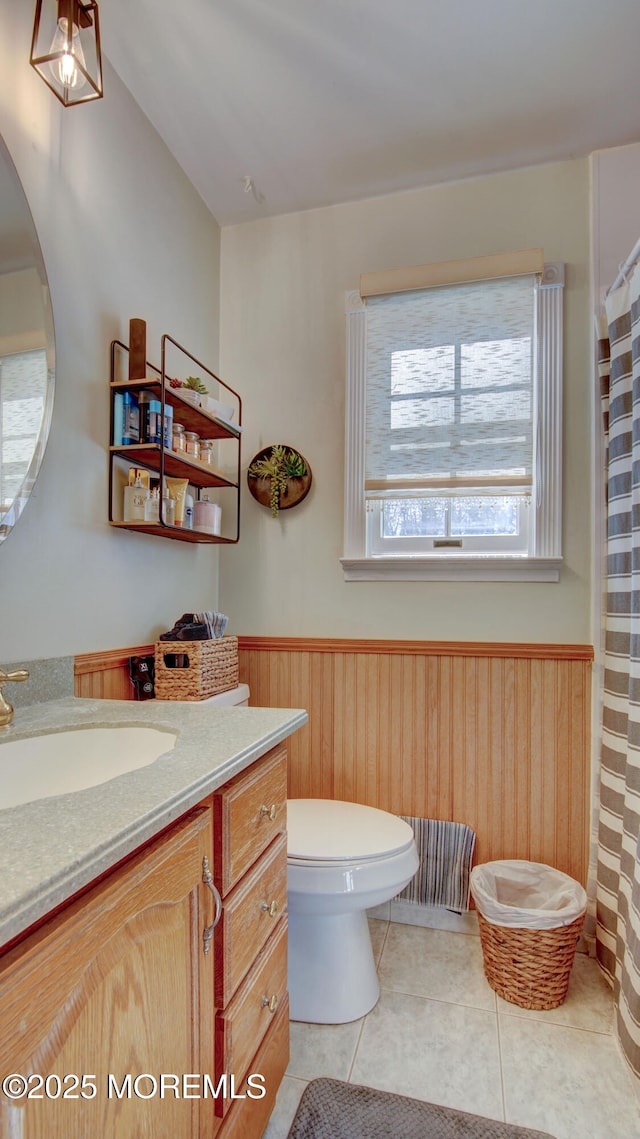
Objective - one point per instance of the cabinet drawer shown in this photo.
(248, 1118)
(248, 812)
(249, 916)
(243, 1024)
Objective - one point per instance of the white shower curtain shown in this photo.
(618, 873)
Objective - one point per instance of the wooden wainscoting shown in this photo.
(497, 736)
(106, 674)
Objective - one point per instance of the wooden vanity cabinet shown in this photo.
(123, 982)
(117, 983)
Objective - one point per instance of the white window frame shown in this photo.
(545, 562)
(379, 546)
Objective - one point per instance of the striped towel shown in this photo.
(445, 851)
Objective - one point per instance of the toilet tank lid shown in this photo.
(230, 698)
(331, 829)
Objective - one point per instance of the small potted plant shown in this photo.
(192, 388)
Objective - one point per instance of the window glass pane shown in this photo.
(422, 370)
(414, 517)
(492, 406)
(496, 363)
(421, 412)
(479, 515)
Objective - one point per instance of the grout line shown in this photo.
(503, 1089)
(355, 1050)
(359, 1037)
(384, 942)
(555, 1023)
(438, 1000)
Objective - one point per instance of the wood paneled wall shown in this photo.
(493, 735)
(105, 675)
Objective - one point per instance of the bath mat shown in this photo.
(330, 1109)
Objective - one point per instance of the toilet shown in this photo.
(342, 859)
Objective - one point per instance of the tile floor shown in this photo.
(441, 1034)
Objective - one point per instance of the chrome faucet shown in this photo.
(6, 709)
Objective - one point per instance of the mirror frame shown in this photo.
(11, 516)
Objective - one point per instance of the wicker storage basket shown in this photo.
(529, 967)
(194, 670)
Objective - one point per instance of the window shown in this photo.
(453, 429)
(23, 381)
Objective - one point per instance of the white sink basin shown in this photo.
(73, 760)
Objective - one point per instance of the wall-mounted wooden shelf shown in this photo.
(179, 533)
(162, 461)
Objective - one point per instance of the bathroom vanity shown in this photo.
(145, 931)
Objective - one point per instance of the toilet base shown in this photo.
(332, 973)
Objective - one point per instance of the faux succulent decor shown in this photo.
(279, 476)
(192, 382)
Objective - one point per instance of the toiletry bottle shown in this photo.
(144, 399)
(150, 418)
(168, 508)
(118, 418)
(168, 426)
(130, 419)
(188, 511)
(135, 498)
(152, 506)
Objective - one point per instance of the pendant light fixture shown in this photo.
(65, 49)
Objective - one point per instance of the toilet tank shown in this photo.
(233, 697)
(237, 697)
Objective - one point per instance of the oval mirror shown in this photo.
(27, 348)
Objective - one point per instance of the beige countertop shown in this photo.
(51, 848)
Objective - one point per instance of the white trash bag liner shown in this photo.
(530, 895)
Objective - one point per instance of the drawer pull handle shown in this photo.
(270, 1002)
(270, 812)
(207, 933)
(270, 909)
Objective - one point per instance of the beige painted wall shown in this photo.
(283, 282)
(123, 234)
(616, 223)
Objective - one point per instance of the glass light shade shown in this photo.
(65, 49)
(68, 63)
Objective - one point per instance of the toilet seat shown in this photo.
(330, 832)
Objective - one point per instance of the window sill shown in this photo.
(430, 568)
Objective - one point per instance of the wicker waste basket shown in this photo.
(195, 670)
(530, 918)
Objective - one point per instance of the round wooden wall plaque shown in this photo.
(296, 488)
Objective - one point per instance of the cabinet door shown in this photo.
(117, 985)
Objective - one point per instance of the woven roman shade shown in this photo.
(450, 389)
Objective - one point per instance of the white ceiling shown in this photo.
(327, 101)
